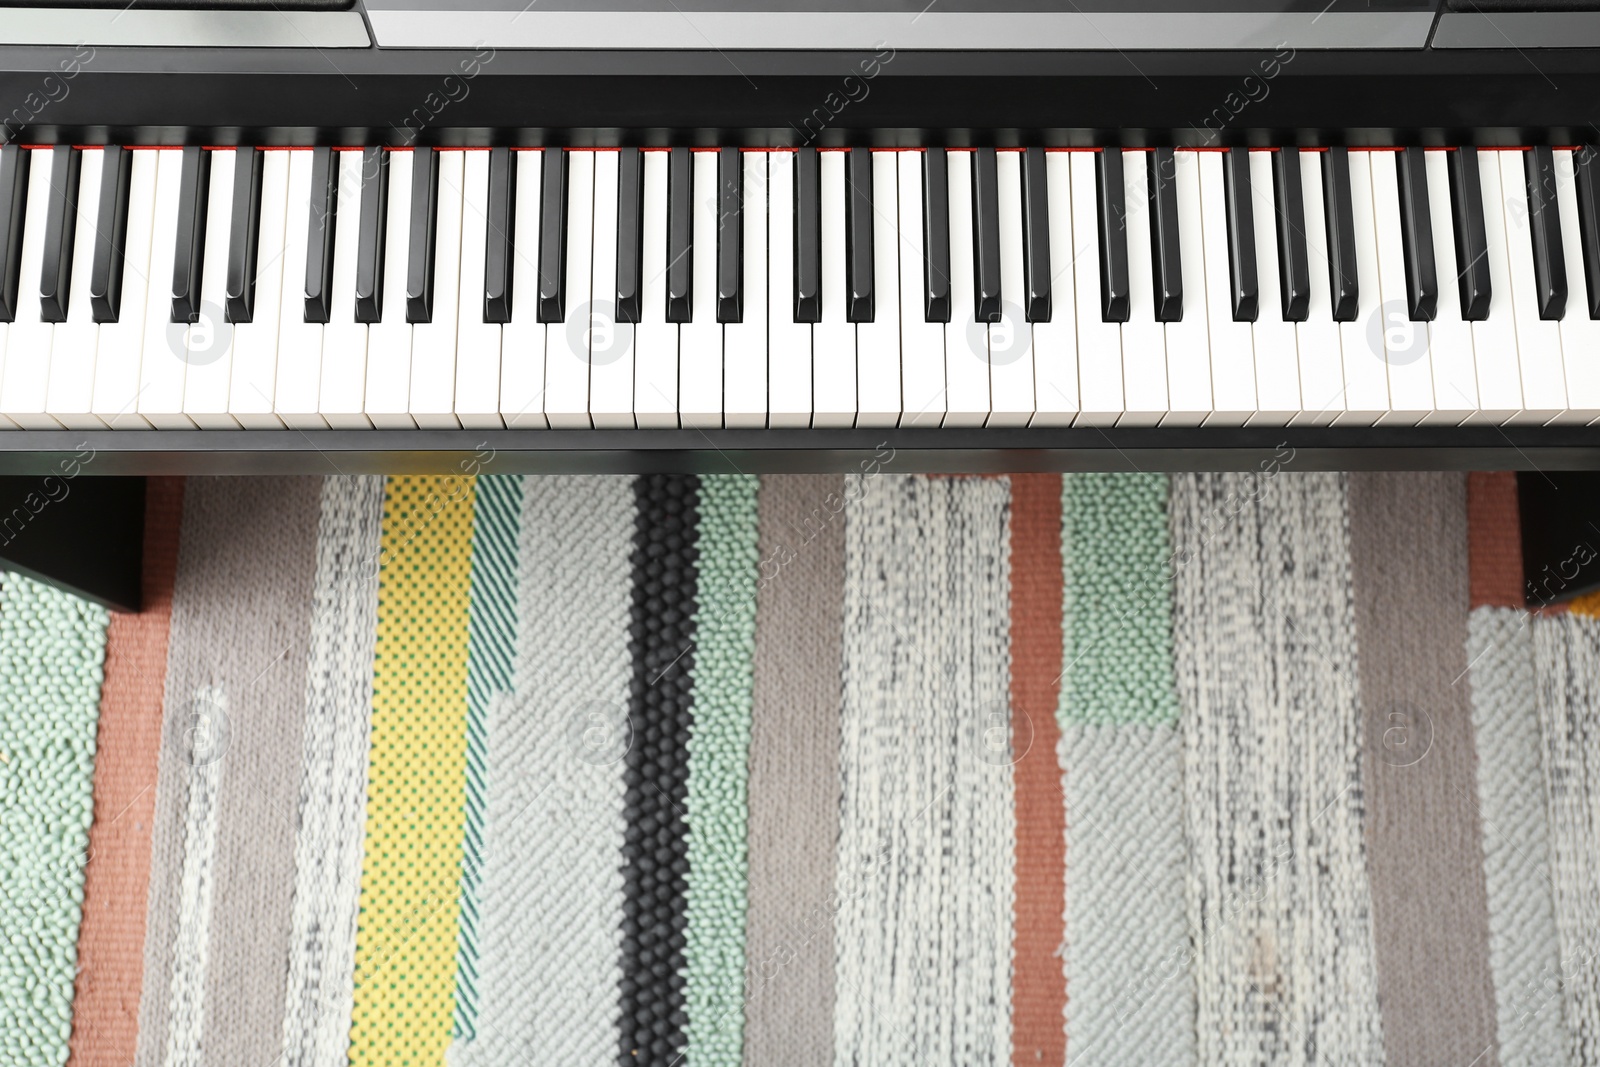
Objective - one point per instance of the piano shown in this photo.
(763, 235)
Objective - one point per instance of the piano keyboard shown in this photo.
(197, 288)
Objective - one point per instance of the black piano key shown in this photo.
(111, 235)
(1035, 236)
(859, 305)
(244, 236)
(13, 203)
(986, 236)
(424, 236)
(553, 237)
(935, 235)
(730, 235)
(1472, 244)
(497, 255)
(1246, 293)
(680, 235)
(323, 220)
(1111, 199)
(372, 242)
(630, 234)
(1588, 180)
(60, 224)
(1416, 236)
(1294, 262)
(807, 236)
(188, 257)
(1342, 276)
(1166, 252)
(1544, 218)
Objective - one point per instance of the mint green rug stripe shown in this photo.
(52, 649)
(719, 747)
(491, 642)
(1130, 991)
(1116, 561)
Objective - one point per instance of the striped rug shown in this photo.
(487, 770)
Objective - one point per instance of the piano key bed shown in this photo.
(684, 309)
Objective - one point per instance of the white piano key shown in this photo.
(1276, 347)
(477, 384)
(116, 375)
(700, 340)
(655, 341)
(1144, 340)
(1455, 375)
(210, 341)
(25, 384)
(966, 341)
(1580, 335)
(789, 342)
(1189, 340)
(1320, 343)
(833, 344)
(162, 367)
(388, 386)
(342, 395)
(1366, 379)
(745, 343)
(433, 344)
(1233, 365)
(255, 343)
(921, 341)
(878, 342)
(1544, 386)
(1100, 396)
(566, 353)
(299, 362)
(610, 341)
(70, 400)
(1405, 343)
(1011, 339)
(1055, 343)
(523, 339)
(1494, 340)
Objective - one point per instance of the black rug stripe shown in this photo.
(655, 849)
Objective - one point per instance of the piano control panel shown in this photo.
(732, 26)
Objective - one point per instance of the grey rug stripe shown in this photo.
(1408, 555)
(1567, 675)
(1264, 651)
(331, 818)
(794, 772)
(240, 616)
(1524, 947)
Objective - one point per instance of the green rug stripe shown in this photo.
(52, 650)
(492, 635)
(719, 745)
(1117, 565)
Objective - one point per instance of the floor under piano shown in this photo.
(791, 770)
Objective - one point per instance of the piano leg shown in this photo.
(81, 534)
(1560, 520)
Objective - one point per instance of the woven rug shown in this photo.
(1262, 768)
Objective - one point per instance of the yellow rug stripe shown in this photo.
(411, 874)
(1587, 604)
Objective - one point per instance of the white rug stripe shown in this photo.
(925, 879)
(1279, 901)
(550, 899)
(190, 949)
(1524, 948)
(1567, 670)
(1128, 964)
(320, 992)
